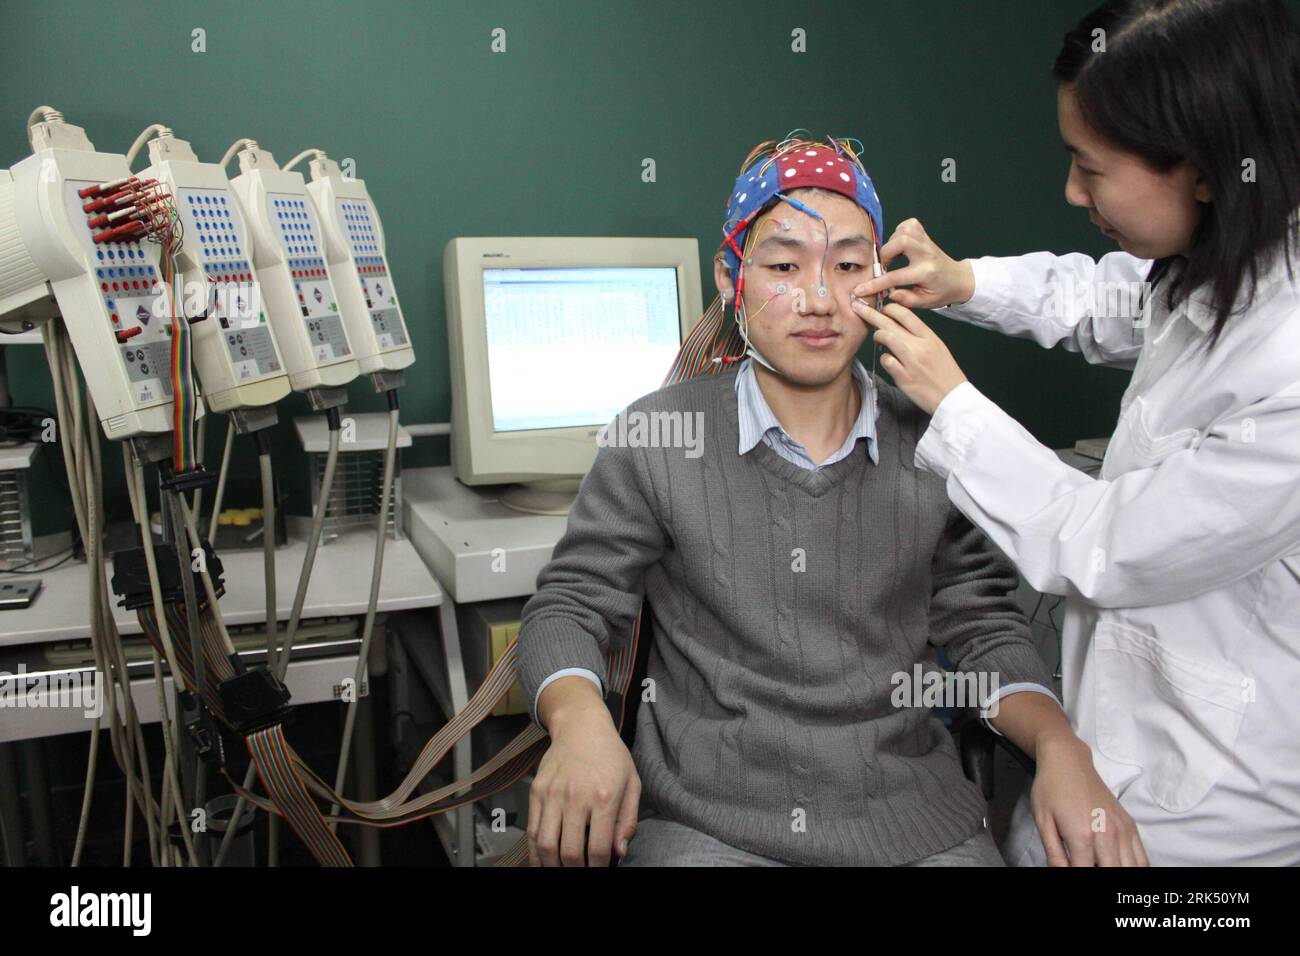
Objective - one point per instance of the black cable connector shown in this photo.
(202, 730)
(131, 576)
(197, 477)
(392, 399)
(332, 417)
(254, 700)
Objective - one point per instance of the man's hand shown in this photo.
(584, 800)
(935, 278)
(917, 359)
(1079, 819)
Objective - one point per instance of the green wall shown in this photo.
(547, 138)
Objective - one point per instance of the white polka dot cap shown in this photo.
(810, 164)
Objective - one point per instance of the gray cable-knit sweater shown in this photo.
(784, 603)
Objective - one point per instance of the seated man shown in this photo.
(796, 567)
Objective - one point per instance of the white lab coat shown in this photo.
(1180, 563)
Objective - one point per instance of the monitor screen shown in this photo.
(572, 347)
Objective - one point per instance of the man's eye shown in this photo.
(852, 266)
(782, 266)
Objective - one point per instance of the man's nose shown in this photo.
(820, 301)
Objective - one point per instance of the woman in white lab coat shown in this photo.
(1180, 563)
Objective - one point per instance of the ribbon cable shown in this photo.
(275, 768)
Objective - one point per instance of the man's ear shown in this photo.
(722, 279)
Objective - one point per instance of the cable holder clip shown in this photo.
(196, 477)
(202, 730)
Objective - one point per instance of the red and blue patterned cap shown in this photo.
(807, 164)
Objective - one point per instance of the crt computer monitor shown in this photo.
(549, 339)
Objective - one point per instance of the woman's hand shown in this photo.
(934, 279)
(1080, 821)
(919, 362)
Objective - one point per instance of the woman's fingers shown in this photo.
(908, 298)
(899, 244)
(908, 275)
(893, 316)
(930, 279)
(907, 319)
(875, 319)
(919, 362)
(892, 343)
(890, 334)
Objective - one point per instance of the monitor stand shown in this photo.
(553, 496)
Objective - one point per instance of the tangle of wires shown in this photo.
(165, 228)
(131, 210)
(127, 210)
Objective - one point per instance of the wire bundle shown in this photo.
(166, 230)
(79, 442)
(288, 779)
(275, 762)
(132, 210)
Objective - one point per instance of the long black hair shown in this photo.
(1215, 83)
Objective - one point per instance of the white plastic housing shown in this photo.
(235, 352)
(290, 264)
(99, 289)
(354, 249)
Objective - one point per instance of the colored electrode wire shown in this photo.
(131, 210)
